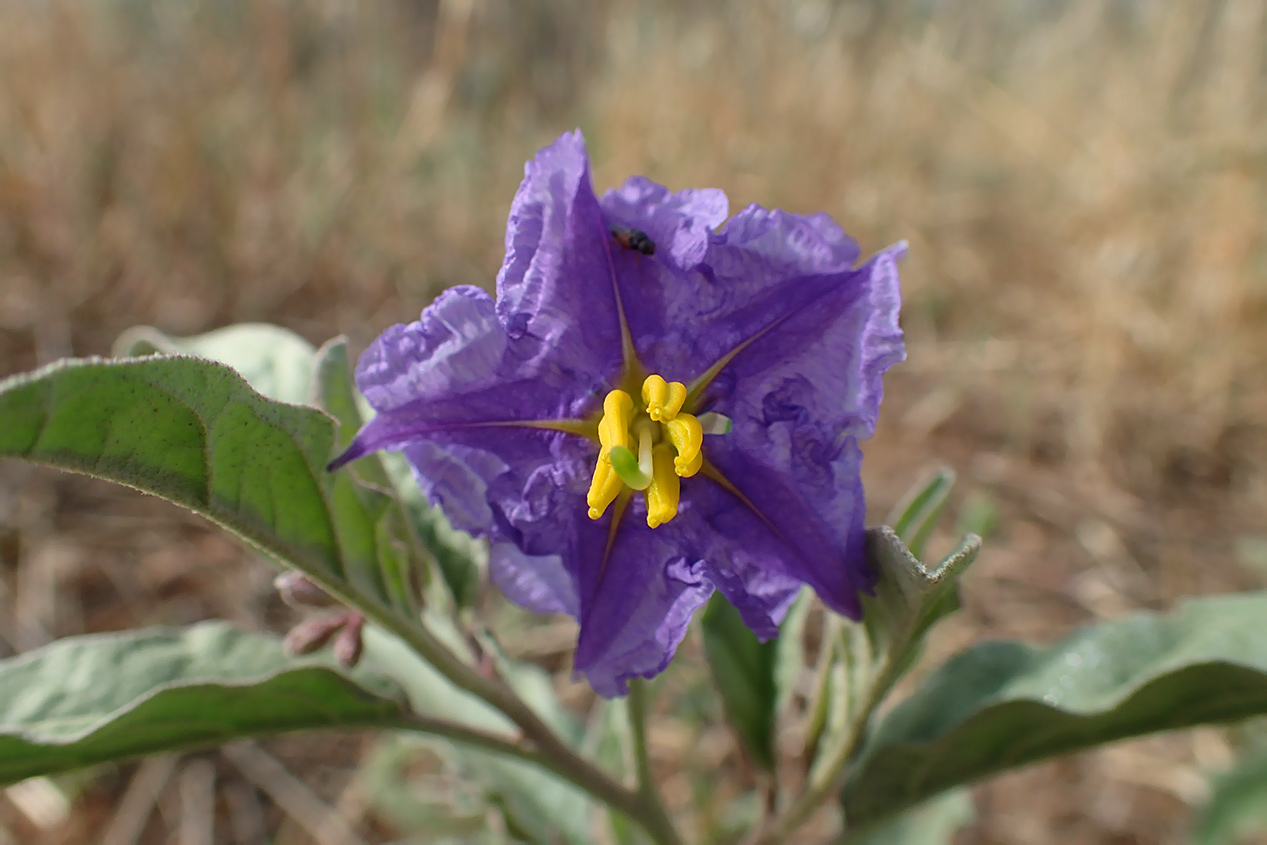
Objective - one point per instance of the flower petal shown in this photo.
(791, 244)
(800, 395)
(679, 223)
(636, 606)
(449, 390)
(539, 582)
(457, 352)
(811, 504)
(555, 286)
(636, 610)
(822, 364)
(717, 291)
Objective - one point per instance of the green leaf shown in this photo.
(743, 671)
(417, 803)
(909, 598)
(192, 431)
(935, 822)
(275, 361)
(413, 523)
(979, 514)
(915, 516)
(334, 393)
(86, 700)
(461, 558)
(1006, 704)
(609, 742)
(1237, 808)
(832, 677)
(789, 654)
(398, 551)
(539, 804)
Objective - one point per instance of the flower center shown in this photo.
(646, 448)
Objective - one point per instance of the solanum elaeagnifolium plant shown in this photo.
(660, 410)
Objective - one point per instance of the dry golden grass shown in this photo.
(1084, 188)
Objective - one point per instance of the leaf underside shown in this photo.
(91, 699)
(1005, 704)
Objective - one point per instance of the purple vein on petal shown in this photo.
(709, 471)
(697, 387)
(618, 510)
(630, 355)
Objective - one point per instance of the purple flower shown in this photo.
(625, 328)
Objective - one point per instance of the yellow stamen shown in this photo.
(665, 489)
(663, 399)
(648, 448)
(604, 487)
(613, 430)
(687, 436)
(689, 468)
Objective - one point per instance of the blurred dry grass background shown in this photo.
(1082, 184)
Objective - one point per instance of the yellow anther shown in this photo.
(663, 398)
(685, 469)
(604, 487)
(687, 436)
(653, 449)
(613, 430)
(663, 494)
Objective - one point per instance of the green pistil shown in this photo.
(626, 466)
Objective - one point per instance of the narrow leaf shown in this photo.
(789, 654)
(915, 516)
(1006, 704)
(334, 393)
(609, 742)
(461, 558)
(396, 566)
(743, 671)
(86, 700)
(411, 522)
(909, 598)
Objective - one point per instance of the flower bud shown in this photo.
(348, 647)
(299, 592)
(312, 634)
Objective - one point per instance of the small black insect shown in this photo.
(634, 239)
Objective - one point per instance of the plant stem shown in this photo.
(827, 777)
(544, 747)
(647, 791)
(819, 699)
(476, 737)
(596, 783)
